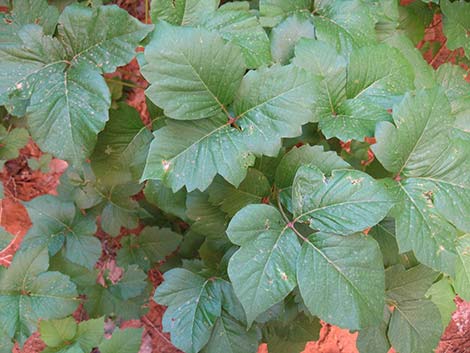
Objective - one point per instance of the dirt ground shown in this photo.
(22, 184)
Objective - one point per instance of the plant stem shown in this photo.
(126, 84)
(290, 224)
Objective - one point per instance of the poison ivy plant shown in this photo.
(56, 80)
(290, 162)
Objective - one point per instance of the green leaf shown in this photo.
(58, 223)
(384, 234)
(253, 189)
(290, 163)
(208, 219)
(66, 336)
(333, 269)
(90, 333)
(347, 24)
(194, 304)
(122, 147)
(118, 209)
(192, 153)
(274, 11)
(26, 12)
(182, 12)
(356, 93)
(55, 332)
(456, 24)
(57, 81)
(29, 293)
(285, 36)
(462, 268)
(293, 336)
(229, 333)
(126, 299)
(123, 341)
(5, 238)
(41, 164)
(349, 201)
(11, 141)
(164, 198)
(262, 271)
(234, 22)
(151, 245)
(196, 62)
(326, 161)
(374, 339)
(432, 192)
(442, 295)
(415, 327)
(410, 284)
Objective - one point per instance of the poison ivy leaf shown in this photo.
(431, 192)
(293, 336)
(442, 295)
(415, 327)
(164, 198)
(374, 339)
(56, 332)
(414, 18)
(28, 292)
(123, 341)
(194, 304)
(462, 269)
(11, 141)
(423, 72)
(79, 275)
(285, 36)
(151, 245)
(122, 147)
(326, 161)
(411, 284)
(262, 100)
(126, 299)
(118, 207)
(262, 271)
(192, 153)
(41, 164)
(57, 82)
(196, 62)
(384, 234)
(349, 201)
(332, 269)
(229, 333)
(6, 345)
(208, 219)
(253, 189)
(234, 22)
(357, 93)
(456, 24)
(347, 24)
(66, 336)
(274, 11)
(182, 12)
(452, 79)
(26, 12)
(58, 224)
(5, 238)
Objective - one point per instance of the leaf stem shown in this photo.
(146, 11)
(289, 224)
